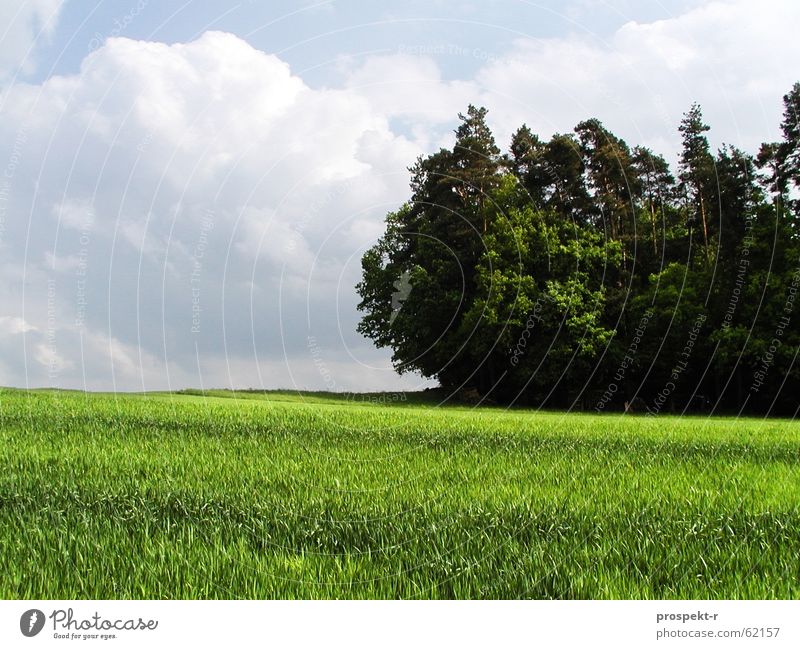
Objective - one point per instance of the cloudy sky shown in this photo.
(186, 188)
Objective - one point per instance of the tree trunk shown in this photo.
(705, 224)
(653, 223)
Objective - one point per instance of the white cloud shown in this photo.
(22, 24)
(10, 325)
(736, 58)
(50, 359)
(409, 86)
(181, 191)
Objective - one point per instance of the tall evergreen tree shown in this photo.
(788, 152)
(552, 172)
(476, 165)
(736, 199)
(526, 161)
(613, 182)
(697, 171)
(656, 187)
(774, 177)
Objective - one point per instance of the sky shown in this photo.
(186, 188)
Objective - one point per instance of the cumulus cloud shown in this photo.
(736, 58)
(22, 23)
(194, 213)
(176, 202)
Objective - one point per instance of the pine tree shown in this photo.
(773, 178)
(788, 153)
(697, 170)
(656, 185)
(607, 160)
(476, 164)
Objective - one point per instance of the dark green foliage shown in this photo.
(530, 275)
(697, 175)
(788, 152)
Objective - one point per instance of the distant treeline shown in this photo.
(581, 272)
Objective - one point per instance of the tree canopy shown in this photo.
(577, 271)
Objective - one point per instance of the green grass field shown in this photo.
(318, 496)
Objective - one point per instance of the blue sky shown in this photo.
(187, 187)
(310, 36)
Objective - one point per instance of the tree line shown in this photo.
(580, 272)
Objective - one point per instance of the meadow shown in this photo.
(282, 495)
